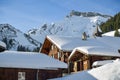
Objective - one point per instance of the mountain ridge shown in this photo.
(87, 14)
(15, 38)
(72, 25)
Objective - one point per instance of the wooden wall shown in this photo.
(30, 74)
(45, 47)
(86, 62)
(58, 54)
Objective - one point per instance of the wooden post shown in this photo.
(69, 67)
(37, 74)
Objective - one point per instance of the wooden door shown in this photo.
(86, 65)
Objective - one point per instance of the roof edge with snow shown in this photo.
(14, 59)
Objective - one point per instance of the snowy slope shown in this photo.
(111, 33)
(72, 25)
(2, 44)
(110, 71)
(14, 38)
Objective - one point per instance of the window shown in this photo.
(52, 55)
(52, 47)
(21, 75)
(59, 54)
(106, 58)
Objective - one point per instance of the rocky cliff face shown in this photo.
(87, 14)
(14, 38)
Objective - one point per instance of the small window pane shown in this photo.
(21, 75)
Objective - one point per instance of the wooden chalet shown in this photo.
(59, 47)
(29, 66)
(82, 58)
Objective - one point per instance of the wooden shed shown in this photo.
(82, 58)
(29, 66)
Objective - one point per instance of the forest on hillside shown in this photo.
(112, 24)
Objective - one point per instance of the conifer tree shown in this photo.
(111, 24)
(117, 34)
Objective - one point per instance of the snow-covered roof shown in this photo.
(110, 41)
(110, 71)
(14, 59)
(68, 43)
(2, 44)
(96, 50)
(100, 63)
(104, 46)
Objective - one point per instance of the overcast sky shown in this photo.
(28, 14)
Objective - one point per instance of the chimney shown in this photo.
(119, 50)
(84, 36)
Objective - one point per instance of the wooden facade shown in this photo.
(52, 50)
(29, 74)
(81, 61)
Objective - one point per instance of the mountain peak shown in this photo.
(87, 14)
(73, 25)
(15, 39)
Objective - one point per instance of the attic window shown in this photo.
(52, 47)
(119, 50)
(59, 54)
(106, 58)
(21, 75)
(52, 56)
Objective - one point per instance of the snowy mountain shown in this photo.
(74, 24)
(15, 39)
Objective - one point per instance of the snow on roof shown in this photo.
(107, 46)
(14, 59)
(96, 50)
(110, 71)
(110, 41)
(100, 63)
(2, 44)
(68, 43)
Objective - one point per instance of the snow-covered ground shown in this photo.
(110, 71)
(111, 33)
